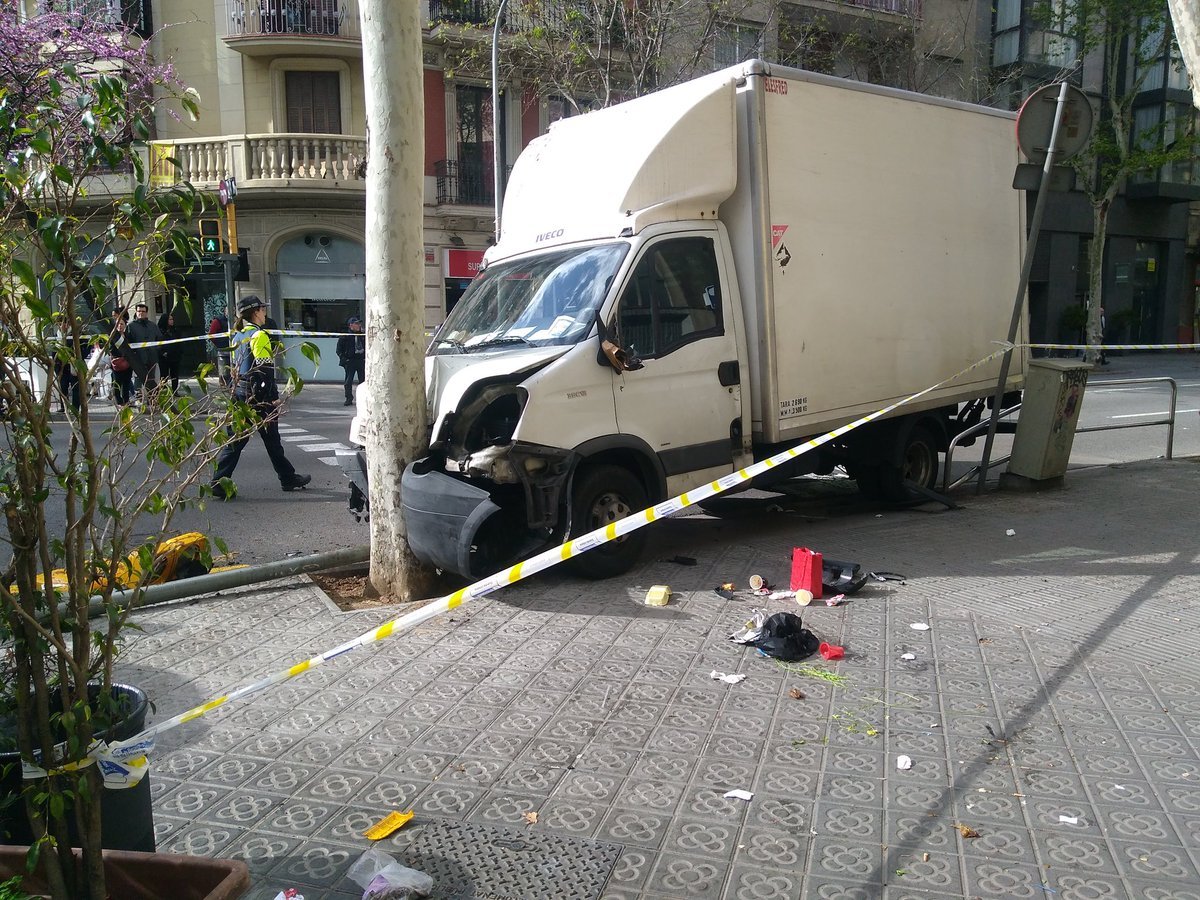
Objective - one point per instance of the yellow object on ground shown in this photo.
(658, 595)
(182, 556)
(388, 824)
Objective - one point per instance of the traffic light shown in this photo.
(210, 237)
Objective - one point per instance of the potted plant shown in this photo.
(78, 487)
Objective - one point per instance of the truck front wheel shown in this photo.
(603, 495)
(918, 464)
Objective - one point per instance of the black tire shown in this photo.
(918, 464)
(601, 495)
(869, 481)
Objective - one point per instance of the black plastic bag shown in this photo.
(785, 637)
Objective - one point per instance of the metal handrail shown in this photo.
(1169, 421)
(980, 427)
(977, 428)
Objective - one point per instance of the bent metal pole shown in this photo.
(232, 578)
(1035, 228)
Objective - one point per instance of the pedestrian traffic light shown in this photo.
(210, 237)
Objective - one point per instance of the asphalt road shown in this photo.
(265, 524)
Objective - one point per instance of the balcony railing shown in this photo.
(467, 183)
(293, 18)
(99, 14)
(309, 159)
(910, 8)
(517, 16)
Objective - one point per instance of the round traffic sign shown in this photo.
(223, 192)
(1035, 122)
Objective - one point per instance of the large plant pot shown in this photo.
(148, 876)
(126, 815)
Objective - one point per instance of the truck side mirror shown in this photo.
(612, 354)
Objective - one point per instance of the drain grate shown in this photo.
(481, 862)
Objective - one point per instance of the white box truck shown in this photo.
(698, 278)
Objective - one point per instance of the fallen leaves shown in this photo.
(530, 818)
(966, 831)
(796, 694)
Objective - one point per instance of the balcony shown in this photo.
(464, 183)
(305, 27)
(328, 165)
(104, 14)
(909, 8)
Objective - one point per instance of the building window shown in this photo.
(558, 108)
(314, 102)
(737, 42)
(475, 136)
(1017, 36)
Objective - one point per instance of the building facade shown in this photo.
(280, 86)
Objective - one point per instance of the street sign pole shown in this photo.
(1035, 228)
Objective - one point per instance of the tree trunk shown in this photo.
(1093, 332)
(1186, 17)
(395, 264)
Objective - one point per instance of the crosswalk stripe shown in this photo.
(328, 460)
(322, 448)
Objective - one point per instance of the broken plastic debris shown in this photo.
(903, 763)
(738, 794)
(781, 595)
(379, 875)
(759, 585)
(835, 601)
(1011, 532)
(658, 595)
(728, 679)
(804, 597)
(388, 824)
(1068, 820)
(919, 626)
(751, 630)
(289, 894)
(908, 656)
(832, 651)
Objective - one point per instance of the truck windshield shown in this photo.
(538, 301)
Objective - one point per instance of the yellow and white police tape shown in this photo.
(283, 332)
(115, 756)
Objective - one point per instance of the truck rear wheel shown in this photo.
(918, 464)
(603, 495)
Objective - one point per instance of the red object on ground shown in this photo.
(806, 571)
(832, 651)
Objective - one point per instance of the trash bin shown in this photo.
(1046, 427)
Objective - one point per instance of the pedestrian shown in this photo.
(168, 354)
(218, 336)
(253, 376)
(143, 359)
(122, 368)
(352, 356)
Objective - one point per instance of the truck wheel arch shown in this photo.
(628, 452)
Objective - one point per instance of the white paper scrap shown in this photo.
(908, 656)
(919, 626)
(1011, 532)
(738, 794)
(903, 763)
(728, 679)
(1069, 820)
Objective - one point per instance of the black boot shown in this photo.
(295, 481)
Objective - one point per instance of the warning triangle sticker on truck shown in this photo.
(777, 235)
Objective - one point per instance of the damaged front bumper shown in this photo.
(473, 527)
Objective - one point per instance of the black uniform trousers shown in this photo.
(354, 365)
(269, 432)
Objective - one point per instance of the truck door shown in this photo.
(686, 400)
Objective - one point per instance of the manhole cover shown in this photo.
(480, 862)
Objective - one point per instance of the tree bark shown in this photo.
(397, 421)
(1186, 17)
(1093, 332)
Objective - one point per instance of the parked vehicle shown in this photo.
(698, 278)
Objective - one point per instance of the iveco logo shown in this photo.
(550, 235)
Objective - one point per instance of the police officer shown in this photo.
(253, 377)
